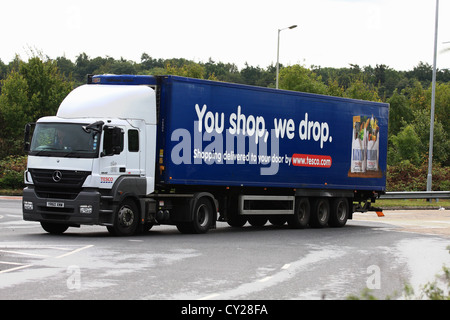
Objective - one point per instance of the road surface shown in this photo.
(232, 264)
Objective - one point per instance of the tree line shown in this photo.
(34, 88)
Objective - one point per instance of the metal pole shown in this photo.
(278, 52)
(278, 58)
(433, 93)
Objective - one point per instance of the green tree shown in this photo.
(422, 72)
(191, 70)
(113, 66)
(148, 63)
(14, 104)
(405, 146)
(334, 89)
(85, 65)
(359, 90)
(442, 104)
(82, 67)
(34, 91)
(66, 66)
(3, 70)
(299, 78)
(227, 72)
(258, 76)
(441, 143)
(417, 96)
(399, 112)
(412, 141)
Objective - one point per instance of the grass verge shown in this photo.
(10, 192)
(412, 203)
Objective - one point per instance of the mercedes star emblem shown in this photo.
(57, 176)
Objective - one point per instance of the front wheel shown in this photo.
(126, 219)
(54, 228)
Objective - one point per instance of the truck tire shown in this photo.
(257, 221)
(54, 228)
(300, 218)
(236, 220)
(202, 218)
(339, 212)
(320, 213)
(278, 220)
(126, 219)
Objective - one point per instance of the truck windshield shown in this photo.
(64, 140)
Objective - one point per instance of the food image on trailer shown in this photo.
(365, 148)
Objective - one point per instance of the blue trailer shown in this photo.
(189, 152)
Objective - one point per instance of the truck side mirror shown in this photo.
(96, 126)
(26, 140)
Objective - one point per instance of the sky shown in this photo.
(329, 33)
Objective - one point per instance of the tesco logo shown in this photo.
(106, 179)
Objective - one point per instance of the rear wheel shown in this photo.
(301, 216)
(320, 213)
(202, 218)
(339, 212)
(278, 220)
(257, 221)
(236, 220)
(126, 219)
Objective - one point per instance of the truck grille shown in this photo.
(60, 184)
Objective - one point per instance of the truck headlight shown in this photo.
(86, 209)
(28, 205)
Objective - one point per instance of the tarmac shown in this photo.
(424, 221)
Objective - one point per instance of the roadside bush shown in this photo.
(11, 172)
(408, 177)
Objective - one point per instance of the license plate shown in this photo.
(55, 204)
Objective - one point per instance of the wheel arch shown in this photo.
(211, 199)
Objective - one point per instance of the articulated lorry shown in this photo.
(130, 152)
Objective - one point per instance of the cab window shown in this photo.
(133, 140)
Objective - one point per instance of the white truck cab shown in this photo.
(100, 134)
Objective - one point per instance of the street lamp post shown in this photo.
(278, 51)
(433, 93)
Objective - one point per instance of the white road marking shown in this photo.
(13, 263)
(211, 296)
(20, 266)
(58, 248)
(265, 279)
(74, 251)
(25, 253)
